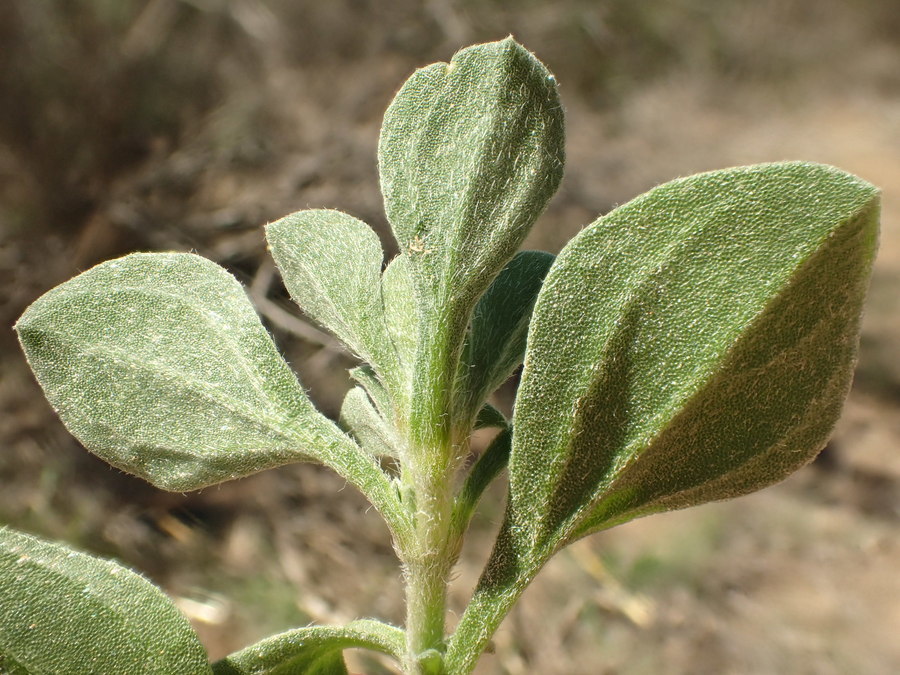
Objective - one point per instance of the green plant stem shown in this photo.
(427, 571)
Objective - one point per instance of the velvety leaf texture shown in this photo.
(360, 417)
(67, 612)
(694, 344)
(331, 265)
(470, 153)
(315, 650)
(496, 341)
(402, 318)
(158, 364)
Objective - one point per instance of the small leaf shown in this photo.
(496, 342)
(360, 417)
(368, 380)
(315, 650)
(489, 417)
(158, 364)
(331, 265)
(470, 153)
(695, 344)
(67, 612)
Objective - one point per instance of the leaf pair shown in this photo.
(470, 152)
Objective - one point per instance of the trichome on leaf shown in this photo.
(694, 344)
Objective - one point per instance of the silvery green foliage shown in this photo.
(158, 363)
(470, 153)
(66, 612)
(695, 344)
(692, 345)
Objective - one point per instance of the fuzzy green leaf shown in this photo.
(331, 265)
(489, 417)
(470, 153)
(366, 378)
(62, 611)
(402, 318)
(695, 344)
(361, 418)
(496, 342)
(158, 364)
(315, 650)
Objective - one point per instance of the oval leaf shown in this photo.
(469, 154)
(331, 265)
(694, 344)
(157, 363)
(315, 650)
(67, 612)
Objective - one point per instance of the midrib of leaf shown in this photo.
(670, 257)
(569, 530)
(177, 379)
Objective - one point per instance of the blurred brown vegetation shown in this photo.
(186, 124)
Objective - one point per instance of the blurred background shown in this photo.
(187, 124)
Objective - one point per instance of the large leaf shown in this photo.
(331, 265)
(315, 650)
(158, 364)
(496, 341)
(62, 611)
(694, 344)
(469, 154)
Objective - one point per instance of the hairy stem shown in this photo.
(427, 570)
